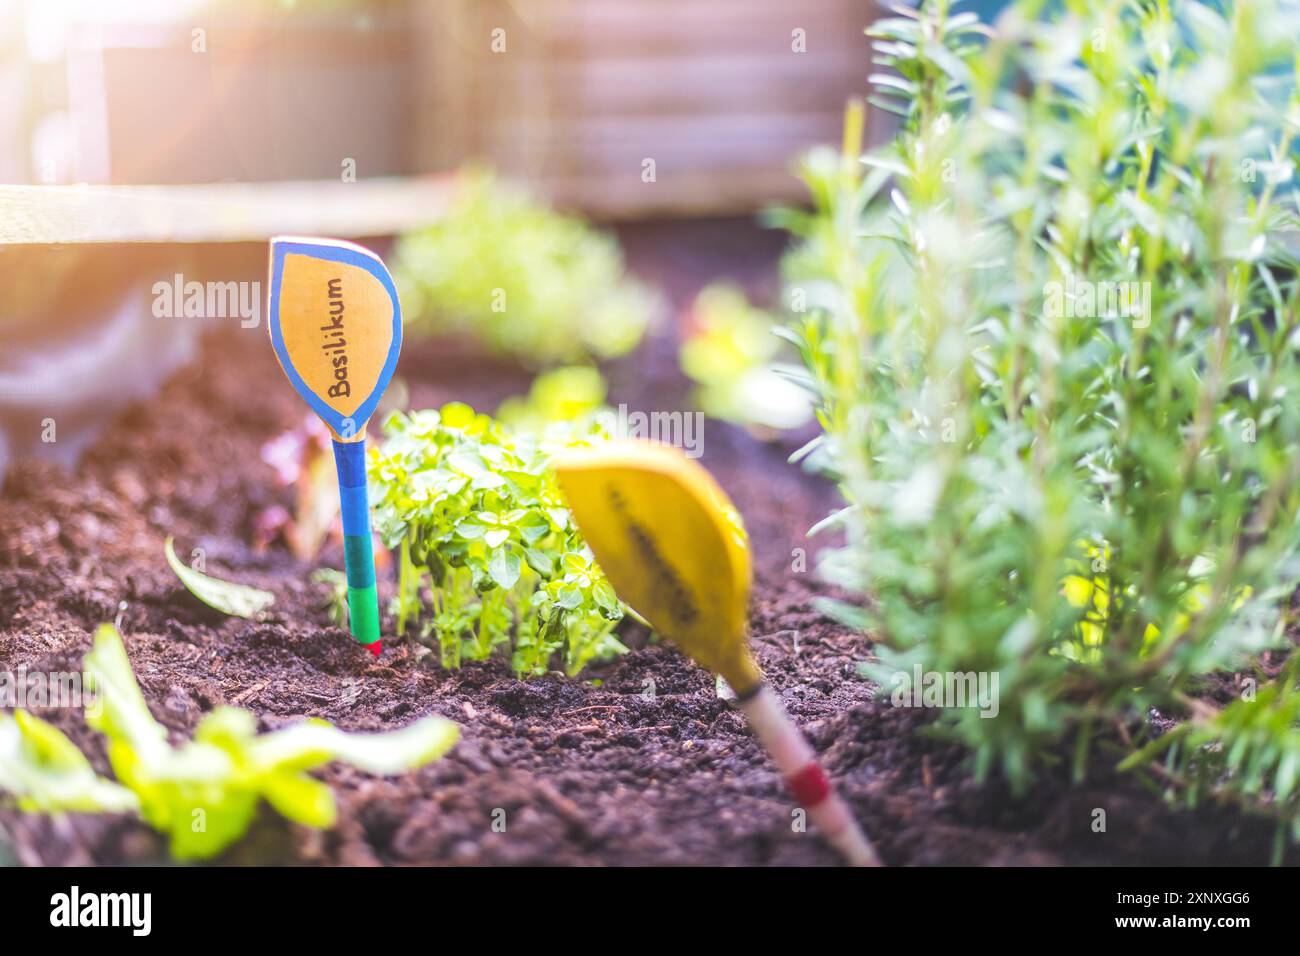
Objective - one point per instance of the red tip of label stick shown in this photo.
(810, 785)
(375, 648)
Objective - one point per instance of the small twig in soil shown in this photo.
(250, 693)
(563, 806)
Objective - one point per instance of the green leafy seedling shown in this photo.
(488, 553)
(505, 269)
(337, 602)
(571, 393)
(731, 353)
(204, 793)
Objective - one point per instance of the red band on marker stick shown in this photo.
(805, 777)
(810, 786)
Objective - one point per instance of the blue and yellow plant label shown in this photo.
(336, 327)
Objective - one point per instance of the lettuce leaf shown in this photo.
(46, 772)
(204, 794)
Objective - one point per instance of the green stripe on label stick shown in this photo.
(363, 614)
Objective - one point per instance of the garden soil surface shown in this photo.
(638, 761)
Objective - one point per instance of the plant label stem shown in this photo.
(807, 781)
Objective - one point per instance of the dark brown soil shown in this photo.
(595, 770)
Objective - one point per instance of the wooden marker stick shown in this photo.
(804, 776)
(675, 550)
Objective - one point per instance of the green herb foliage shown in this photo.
(488, 553)
(732, 355)
(571, 393)
(500, 267)
(1088, 489)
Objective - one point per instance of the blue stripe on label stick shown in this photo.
(356, 512)
(350, 459)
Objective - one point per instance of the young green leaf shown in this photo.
(238, 600)
(45, 772)
(504, 567)
(385, 754)
(540, 561)
(337, 602)
(123, 715)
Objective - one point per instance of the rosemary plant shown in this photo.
(1052, 331)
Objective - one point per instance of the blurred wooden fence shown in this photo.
(618, 108)
(580, 96)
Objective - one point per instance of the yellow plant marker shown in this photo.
(336, 327)
(673, 547)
